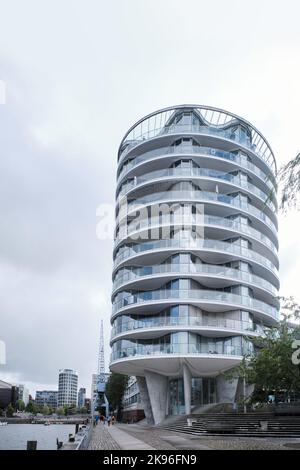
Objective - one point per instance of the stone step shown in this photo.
(237, 424)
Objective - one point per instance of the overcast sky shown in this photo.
(78, 74)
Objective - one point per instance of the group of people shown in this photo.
(109, 420)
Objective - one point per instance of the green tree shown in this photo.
(70, 409)
(45, 410)
(20, 405)
(272, 368)
(60, 411)
(10, 410)
(114, 391)
(83, 410)
(31, 408)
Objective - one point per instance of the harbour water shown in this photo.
(15, 436)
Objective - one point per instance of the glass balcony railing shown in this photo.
(207, 220)
(198, 197)
(260, 148)
(192, 172)
(125, 275)
(196, 150)
(185, 321)
(205, 244)
(240, 301)
(179, 349)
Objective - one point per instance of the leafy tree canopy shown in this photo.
(273, 367)
(115, 388)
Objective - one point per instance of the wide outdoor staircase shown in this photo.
(254, 424)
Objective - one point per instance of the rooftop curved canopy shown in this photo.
(205, 119)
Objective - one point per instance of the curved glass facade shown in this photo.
(195, 258)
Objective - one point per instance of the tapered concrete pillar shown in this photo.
(141, 381)
(226, 389)
(187, 387)
(157, 386)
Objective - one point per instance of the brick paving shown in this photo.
(102, 440)
(149, 435)
(164, 440)
(169, 440)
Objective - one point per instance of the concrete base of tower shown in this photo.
(170, 365)
(145, 399)
(226, 390)
(187, 386)
(177, 385)
(157, 386)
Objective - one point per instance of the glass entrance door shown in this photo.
(176, 397)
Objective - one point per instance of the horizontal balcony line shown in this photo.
(167, 197)
(188, 295)
(200, 244)
(180, 349)
(175, 174)
(213, 271)
(218, 134)
(206, 221)
(190, 151)
(186, 322)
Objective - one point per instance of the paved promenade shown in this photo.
(138, 437)
(113, 438)
(127, 441)
(102, 439)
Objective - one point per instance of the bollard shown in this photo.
(31, 445)
(59, 444)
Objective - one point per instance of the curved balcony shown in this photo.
(232, 225)
(171, 174)
(192, 196)
(195, 245)
(178, 349)
(191, 269)
(190, 322)
(240, 162)
(256, 145)
(193, 296)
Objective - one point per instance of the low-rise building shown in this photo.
(8, 394)
(46, 398)
(132, 407)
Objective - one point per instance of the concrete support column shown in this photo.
(226, 390)
(187, 387)
(141, 381)
(157, 386)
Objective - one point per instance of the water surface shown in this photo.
(15, 436)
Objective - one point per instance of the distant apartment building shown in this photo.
(87, 404)
(46, 398)
(23, 393)
(132, 407)
(67, 387)
(8, 394)
(81, 397)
